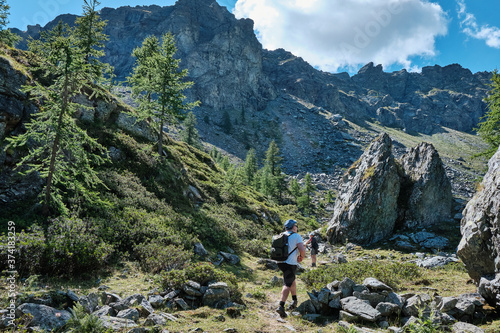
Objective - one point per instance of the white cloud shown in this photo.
(470, 27)
(333, 34)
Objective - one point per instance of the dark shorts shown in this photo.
(288, 273)
(314, 251)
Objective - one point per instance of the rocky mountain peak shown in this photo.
(370, 69)
(279, 90)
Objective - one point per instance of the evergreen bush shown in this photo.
(73, 247)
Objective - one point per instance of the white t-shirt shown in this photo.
(293, 240)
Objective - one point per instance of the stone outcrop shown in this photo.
(425, 197)
(373, 301)
(114, 312)
(44, 317)
(13, 102)
(221, 53)
(378, 194)
(480, 244)
(366, 207)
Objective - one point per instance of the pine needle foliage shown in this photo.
(158, 84)
(90, 37)
(58, 148)
(489, 128)
(190, 134)
(6, 36)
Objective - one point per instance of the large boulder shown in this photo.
(45, 317)
(366, 206)
(426, 197)
(480, 244)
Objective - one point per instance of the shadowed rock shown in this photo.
(480, 242)
(426, 196)
(366, 206)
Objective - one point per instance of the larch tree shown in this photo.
(6, 36)
(295, 188)
(190, 134)
(90, 36)
(273, 158)
(250, 167)
(158, 84)
(305, 201)
(57, 148)
(489, 128)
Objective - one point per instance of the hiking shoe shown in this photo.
(292, 306)
(281, 312)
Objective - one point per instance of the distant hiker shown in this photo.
(289, 266)
(314, 247)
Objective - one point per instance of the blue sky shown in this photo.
(343, 35)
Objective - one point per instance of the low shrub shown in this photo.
(70, 246)
(211, 228)
(391, 273)
(133, 226)
(202, 273)
(82, 322)
(29, 252)
(258, 248)
(73, 247)
(155, 256)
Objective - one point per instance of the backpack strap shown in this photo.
(295, 247)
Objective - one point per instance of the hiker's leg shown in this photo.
(293, 288)
(285, 291)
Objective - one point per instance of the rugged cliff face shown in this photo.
(423, 102)
(222, 54)
(276, 95)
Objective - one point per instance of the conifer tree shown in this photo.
(266, 185)
(250, 168)
(215, 155)
(273, 158)
(190, 134)
(89, 31)
(489, 129)
(295, 188)
(6, 36)
(157, 84)
(329, 196)
(305, 201)
(58, 149)
(142, 77)
(225, 163)
(280, 183)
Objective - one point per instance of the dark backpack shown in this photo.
(314, 243)
(279, 247)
